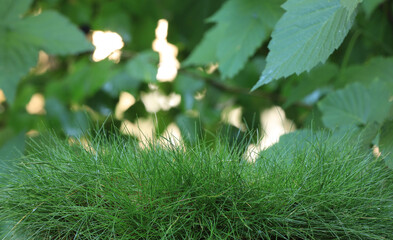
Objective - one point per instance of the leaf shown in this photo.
(13, 148)
(53, 33)
(351, 5)
(85, 79)
(73, 123)
(251, 21)
(21, 40)
(187, 86)
(305, 35)
(370, 5)
(310, 82)
(386, 143)
(143, 67)
(356, 105)
(11, 10)
(205, 52)
(376, 68)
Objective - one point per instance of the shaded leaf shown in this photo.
(305, 35)
(370, 5)
(376, 68)
(12, 148)
(310, 82)
(143, 67)
(21, 39)
(356, 105)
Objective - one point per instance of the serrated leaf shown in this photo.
(370, 5)
(306, 35)
(143, 67)
(53, 33)
(251, 21)
(386, 143)
(356, 105)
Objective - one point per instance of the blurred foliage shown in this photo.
(328, 64)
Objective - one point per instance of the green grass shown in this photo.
(320, 189)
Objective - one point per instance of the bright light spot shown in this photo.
(376, 151)
(32, 133)
(143, 129)
(212, 67)
(83, 142)
(43, 63)
(108, 44)
(200, 95)
(156, 101)
(36, 104)
(233, 116)
(126, 100)
(168, 66)
(172, 136)
(2, 96)
(274, 124)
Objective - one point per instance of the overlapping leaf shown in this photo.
(21, 39)
(306, 35)
(376, 68)
(370, 5)
(242, 26)
(356, 105)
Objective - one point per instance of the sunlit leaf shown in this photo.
(305, 35)
(241, 27)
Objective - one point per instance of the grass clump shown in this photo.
(114, 189)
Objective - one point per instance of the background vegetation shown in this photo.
(329, 61)
(184, 66)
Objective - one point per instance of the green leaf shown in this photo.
(58, 36)
(309, 82)
(350, 5)
(11, 10)
(143, 67)
(85, 79)
(205, 52)
(370, 5)
(356, 105)
(252, 22)
(21, 40)
(386, 143)
(73, 123)
(305, 35)
(376, 68)
(13, 148)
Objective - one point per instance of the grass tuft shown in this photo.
(112, 188)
